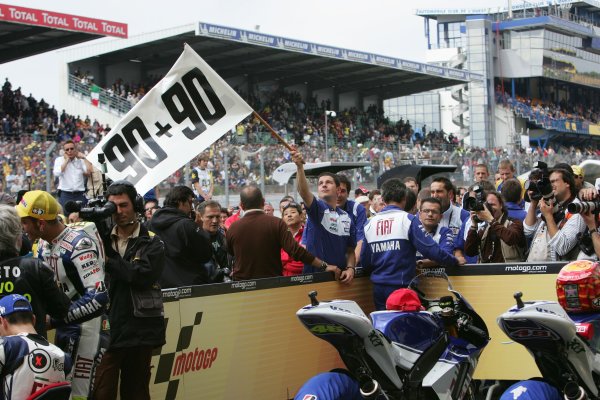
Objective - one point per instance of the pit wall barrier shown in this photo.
(242, 340)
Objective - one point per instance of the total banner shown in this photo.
(243, 339)
(187, 111)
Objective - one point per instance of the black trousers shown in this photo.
(133, 364)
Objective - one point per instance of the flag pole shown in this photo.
(273, 133)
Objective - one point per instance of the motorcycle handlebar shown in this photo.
(472, 329)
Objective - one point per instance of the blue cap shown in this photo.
(7, 304)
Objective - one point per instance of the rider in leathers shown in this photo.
(78, 264)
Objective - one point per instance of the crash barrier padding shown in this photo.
(242, 340)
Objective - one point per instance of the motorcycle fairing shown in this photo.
(418, 330)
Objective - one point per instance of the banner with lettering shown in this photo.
(187, 111)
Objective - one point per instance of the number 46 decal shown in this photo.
(195, 101)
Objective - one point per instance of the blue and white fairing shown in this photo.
(550, 336)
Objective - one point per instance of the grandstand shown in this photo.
(540, 63)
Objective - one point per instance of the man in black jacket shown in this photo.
(135, 261)
(187, 245)
(29, 277)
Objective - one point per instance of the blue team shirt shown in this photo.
(358, 214)
(329, 386)
(328, 234)
(444, 238)
(392, 239)
(531, 390)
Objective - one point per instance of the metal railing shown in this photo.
(109, 101)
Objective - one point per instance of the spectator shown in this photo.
(284, 202)
(579, 176)
(292, 216)
(150, 207)
(330, 233)
(452, 216)
(511, 191)
(506, 170)
(554, 233)
(256, 240)
(499, 238)
(224, 216)
(269, 209)
(202, 180)
(377, 203)
(355, 210)
(20, 345)
(187, 246)
(430, 215)
(135, 260)
(209, 214)
(392, 239)
(71, 170)
(361, 191)
(481, 173)
(78, 265)
(411, 184)
(29, 275)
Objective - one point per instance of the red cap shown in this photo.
(404, 300)
(363, 189)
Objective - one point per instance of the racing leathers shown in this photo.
(78, 264)
(28, 363)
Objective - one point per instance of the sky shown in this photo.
(387, 27)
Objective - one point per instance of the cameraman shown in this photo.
(555, 231)
(135, 260)
(498, 239)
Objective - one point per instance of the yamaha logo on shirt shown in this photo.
(39, 361)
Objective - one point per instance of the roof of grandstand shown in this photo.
(235, 52)
(26, 32)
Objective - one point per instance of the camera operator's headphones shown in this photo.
(138, 202)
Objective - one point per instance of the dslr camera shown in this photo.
(477, 202)
(584, 207)
(539, 183)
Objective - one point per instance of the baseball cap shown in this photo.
(362, 189)
(404, 300)
(39, 205)
(577, 170)
(14, 303)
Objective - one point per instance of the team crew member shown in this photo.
(28, 363)
(354, 209)
(28, 276)
(430, 216)
(78, 266)
(334, 385)
(330, 233)
(392, 239)
(452, 216)
(71, 170)
(135, 260)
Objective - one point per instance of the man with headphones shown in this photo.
(78, 264)
(134, 264)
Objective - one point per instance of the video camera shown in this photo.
(477, 202)
(539, 183)
(98, 210)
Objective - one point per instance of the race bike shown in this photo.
(565, 346)
(423, 354)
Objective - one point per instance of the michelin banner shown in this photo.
(187, 111)
(242, 340)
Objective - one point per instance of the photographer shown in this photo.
(589, 241)
(555, 231)
(493, 236)
(135, 262)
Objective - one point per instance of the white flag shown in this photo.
(187, 111)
